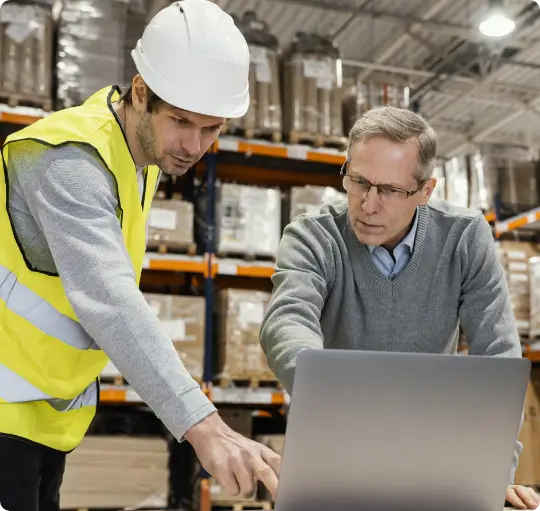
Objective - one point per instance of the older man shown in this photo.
(389, 269)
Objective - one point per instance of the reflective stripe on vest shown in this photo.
(16, 389)
(25, 303)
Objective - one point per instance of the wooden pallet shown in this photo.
(317, 140)
(254, 382)
(117, 380)
(241, 506)
(172, 248)
(14, 99)
(244, 257)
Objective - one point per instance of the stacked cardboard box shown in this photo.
(310, 199)
(240, 354)
(171, 224)
(248, 220)
(522, 267)
(528, 472)
(116, 472)
(182, 317)
(26, 51)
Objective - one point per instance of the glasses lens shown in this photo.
(389, 193)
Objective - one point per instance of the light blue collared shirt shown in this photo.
(392, 266)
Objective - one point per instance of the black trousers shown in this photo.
(30, 475)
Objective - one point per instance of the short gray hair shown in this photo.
(399, 125)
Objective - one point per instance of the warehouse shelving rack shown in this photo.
(248, 161)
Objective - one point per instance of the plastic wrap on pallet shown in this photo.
(240, 354)
(182, 318)
(264, 113)
(534, 276)
(248, 220)
(309, 199)
(440, 189)
(313, 89)
(26, 50)
(482, 182)
(518, 175)
(377, 92)
(95, 38)
(522, 274)
(170, 223)
(457, 181)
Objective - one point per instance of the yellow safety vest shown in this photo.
(49, 365)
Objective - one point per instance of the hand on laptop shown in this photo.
(234, 460)
(522, 497)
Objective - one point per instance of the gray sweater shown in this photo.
(63, 207)
(328, 292)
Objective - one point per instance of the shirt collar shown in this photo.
(408, 240)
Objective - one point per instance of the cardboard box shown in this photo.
(239, 420)
(170, 223)
(521, 262)
(240, 355)
(310, 199)
(116, 472)
(182, 317)
(528, 471)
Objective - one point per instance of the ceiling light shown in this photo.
(497, 23)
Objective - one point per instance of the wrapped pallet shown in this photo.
(379, 91)
(248, 220)
(312, 88)
(440, 189)
(182, 317)
(264, 114)
(170, 225)
(457, 181)
(309, 199)
(95, 38)
(522, 270)
(482, 182)
(26, 53)
(116, 472)
(240, 356)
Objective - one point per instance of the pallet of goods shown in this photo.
(248, 221)
(182, 318)
(241, 360)
(521, 262)
(528, 472)
(170, 227)
(310, 199)
(263, 118)
(95, 38)
(116, 472)
(312, 92)
(26, 55)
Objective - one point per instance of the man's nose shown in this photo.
(370, 204)
(191, 142)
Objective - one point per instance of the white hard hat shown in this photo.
(194, 57)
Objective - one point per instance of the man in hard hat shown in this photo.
(389, 269)
(76, 193)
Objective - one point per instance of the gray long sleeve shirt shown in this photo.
(62, 203)
(329, 293)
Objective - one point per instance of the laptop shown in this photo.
(379, 431)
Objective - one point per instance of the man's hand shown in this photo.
(522, 497)
(234, 460)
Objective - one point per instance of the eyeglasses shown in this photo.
(359, 186)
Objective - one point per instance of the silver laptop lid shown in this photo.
(380, 431)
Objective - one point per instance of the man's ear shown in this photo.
(427, 190)
(139, 94)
